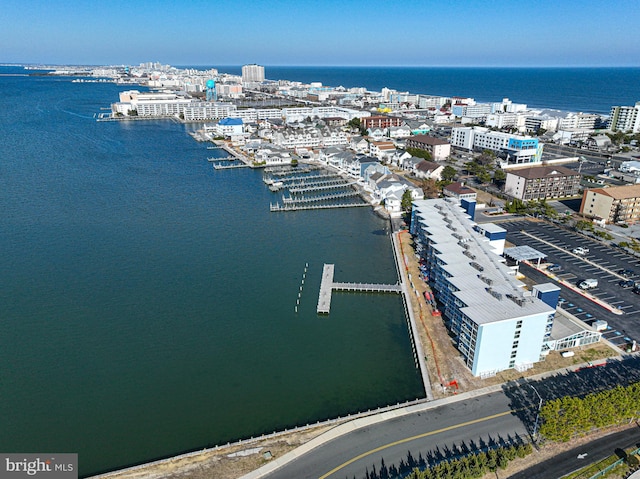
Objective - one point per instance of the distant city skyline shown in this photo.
(498, 33)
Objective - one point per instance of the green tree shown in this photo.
(355, 123)
(499, 176)
(406, 200)
(418, 153)
(483, 175)
(448, 173)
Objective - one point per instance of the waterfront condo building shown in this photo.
(252, 73)
(160, 104)
(616, 204)
(625, 118)
(439, 149)
(542, 182)
(495, 323)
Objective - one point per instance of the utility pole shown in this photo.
(535, 426)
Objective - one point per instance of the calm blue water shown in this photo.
(572, 89)
(147, 301)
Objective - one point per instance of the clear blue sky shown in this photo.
(322, 32)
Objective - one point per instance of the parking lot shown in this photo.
(601, 262)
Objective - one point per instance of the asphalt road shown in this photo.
(582, 456)
(407, 440)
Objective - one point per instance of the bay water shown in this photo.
(147, 301)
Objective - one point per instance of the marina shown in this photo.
(327, 286)
(277, 207)
(312, 199)
(328, 186)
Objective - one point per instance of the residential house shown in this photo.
(428, 170)
(359, 144)
(402, 131)
(459, 191)
(383, 150)
(377, 134)
(273, 155)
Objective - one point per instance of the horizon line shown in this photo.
(209, 65)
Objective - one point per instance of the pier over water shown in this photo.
(327, 286)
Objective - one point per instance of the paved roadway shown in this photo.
(590, 453)
(446, 427)
(471, 422)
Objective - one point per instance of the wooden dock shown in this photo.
(327, 286)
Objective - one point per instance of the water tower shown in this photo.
(211, 90)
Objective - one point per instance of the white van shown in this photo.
(588, 283)
(580, 250)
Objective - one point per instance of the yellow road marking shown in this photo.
(407, 439)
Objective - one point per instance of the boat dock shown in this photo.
(218, 166)
(333, 186)
(293, 207)
(312, 199)
(327, 286)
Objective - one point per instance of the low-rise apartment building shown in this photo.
(542, 182)
(380, 121)
(439, 149)
(616, 204)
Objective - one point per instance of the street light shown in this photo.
(535, 426)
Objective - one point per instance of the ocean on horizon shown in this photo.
(593, 90)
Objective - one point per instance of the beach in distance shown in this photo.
(148, 301)
(593, 90)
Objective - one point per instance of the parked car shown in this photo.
(626, 283)
(554, 268)
(626, 272)
(580, 250)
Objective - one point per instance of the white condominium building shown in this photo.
(252, 73)
(495, 322)
(150, 104)
(517, 149)
(625, 118)
(205, 110)
(578, 121)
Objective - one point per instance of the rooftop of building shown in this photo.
(542, 172)
(429, 140)
(619, 192)
(486, 286)
(459, 188)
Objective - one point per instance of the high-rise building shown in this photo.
(252, 73)
(625, 118)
